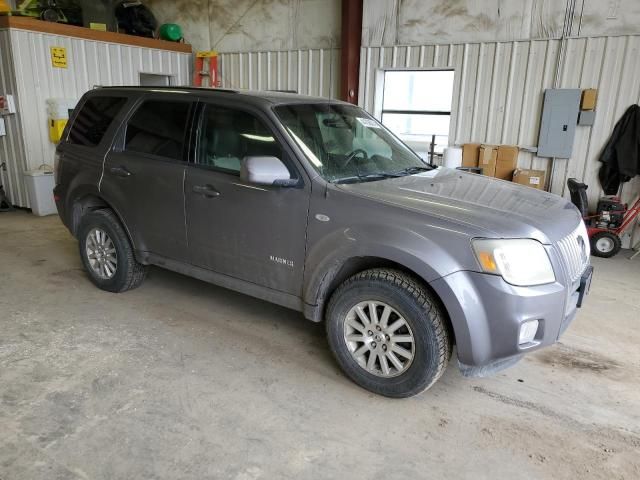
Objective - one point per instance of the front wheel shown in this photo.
(387, 333)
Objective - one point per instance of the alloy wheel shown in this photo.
(101, 254)
(379, 339)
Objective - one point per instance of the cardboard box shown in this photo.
(487, 159)
(589, 99)
(470, 153)
(530, 178)
(506, 161)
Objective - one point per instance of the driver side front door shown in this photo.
(254, 233)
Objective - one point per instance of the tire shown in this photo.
(423, 321)
(605, 244)
(122, 272)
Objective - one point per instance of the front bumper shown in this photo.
(486, 314)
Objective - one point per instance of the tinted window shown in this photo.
(94, 119)
(227, 136)
(158, 128)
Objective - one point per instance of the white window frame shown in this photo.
(378, 97)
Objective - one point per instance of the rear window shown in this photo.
(158, 128)
(94, 120)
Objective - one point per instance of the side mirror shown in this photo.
(266, 171)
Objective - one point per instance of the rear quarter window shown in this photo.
(94, 119)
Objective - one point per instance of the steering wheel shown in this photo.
(354, 154)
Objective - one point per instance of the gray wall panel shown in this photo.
(308, 72)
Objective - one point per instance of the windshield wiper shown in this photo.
(366, 177)
(412, 170)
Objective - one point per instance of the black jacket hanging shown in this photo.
(621, 155)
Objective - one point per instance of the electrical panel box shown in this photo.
(559, 120)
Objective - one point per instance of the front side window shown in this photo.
(345, 144)
(93, 120)
(227, 136)
(158, 128)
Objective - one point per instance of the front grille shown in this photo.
(574, 250)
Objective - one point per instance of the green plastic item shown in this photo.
(171, 32)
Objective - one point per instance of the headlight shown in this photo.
(522, 262)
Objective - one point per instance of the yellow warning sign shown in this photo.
(59, 57)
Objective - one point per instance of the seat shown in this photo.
(578, 192)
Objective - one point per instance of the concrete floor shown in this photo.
(181, 379)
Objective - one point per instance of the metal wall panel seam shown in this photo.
(510, 80)
(461, 74)
(479, 69)
(493, 84)
(299, 79)
(309, 71)
(321, 72)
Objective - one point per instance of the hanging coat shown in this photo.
(621, 155)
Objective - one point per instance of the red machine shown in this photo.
(610, 221)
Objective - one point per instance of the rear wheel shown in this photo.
(387, 333)
(107, 254)
(605, 244)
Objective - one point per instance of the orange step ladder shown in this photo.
(206, 70)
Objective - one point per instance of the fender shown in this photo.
(417, 253)
(76, 193)
(83, 191)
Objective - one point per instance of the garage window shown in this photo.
(416, 106)
(94, 119)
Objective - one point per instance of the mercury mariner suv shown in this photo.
(314, 205)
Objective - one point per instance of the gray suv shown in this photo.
(314, 205)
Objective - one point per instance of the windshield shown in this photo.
(345, 145)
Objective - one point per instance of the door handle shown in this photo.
(206, 190)
(120, 172)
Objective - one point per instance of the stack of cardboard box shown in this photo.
(500, 161)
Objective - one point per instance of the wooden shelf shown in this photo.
(35, 25)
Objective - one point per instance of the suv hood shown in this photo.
(496, 208)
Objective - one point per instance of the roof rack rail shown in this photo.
(283, 91)
(173, 87)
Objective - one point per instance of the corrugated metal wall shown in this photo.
(499, 87)
(90, 63)
(308, 72)
(12, 150)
